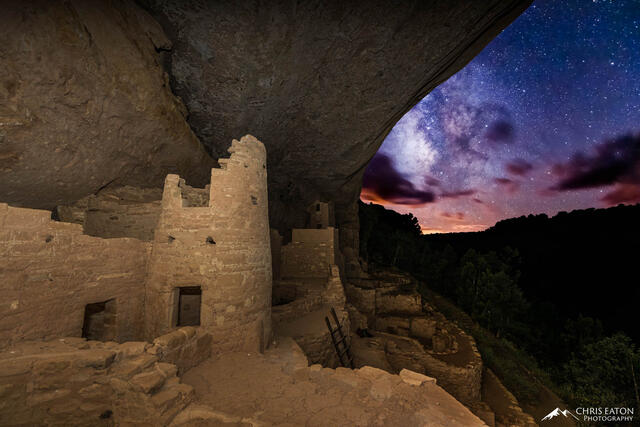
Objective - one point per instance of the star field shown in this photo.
(546, 118)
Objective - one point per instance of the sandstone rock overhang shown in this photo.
(87, 90)
(85, 103)
(321, 82)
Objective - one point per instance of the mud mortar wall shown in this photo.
(185, 347)
(224, 248)
(310, 253)
(50, 271)
(462, 382)
(122, 212)
(415, 336)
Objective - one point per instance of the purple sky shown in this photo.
(546, 118)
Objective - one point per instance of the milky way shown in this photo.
(546, 118)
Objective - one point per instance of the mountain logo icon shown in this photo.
(557, 412)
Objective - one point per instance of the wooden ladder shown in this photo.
(340, 340)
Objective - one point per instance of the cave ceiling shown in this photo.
(97, 94)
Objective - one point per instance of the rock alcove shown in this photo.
(122, 93)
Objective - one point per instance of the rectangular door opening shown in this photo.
(100, 321)
(189, 301)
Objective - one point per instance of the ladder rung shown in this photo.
(341, 340)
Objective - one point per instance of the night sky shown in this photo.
(545, 119)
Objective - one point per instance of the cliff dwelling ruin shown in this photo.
(146, 282)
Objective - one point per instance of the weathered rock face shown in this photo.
(84, 102)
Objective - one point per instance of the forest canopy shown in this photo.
(562, 289)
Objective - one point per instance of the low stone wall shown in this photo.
(364, 300)
(306, 295)
(120, 212)
(70, 381)
(333, 294)
(462, 380)
(314, 299)
(295, 309)
(391, 302)
(185, 347)
(318, 348)
(415, 336)
(310, 253)
(393, 325)
(423, 327)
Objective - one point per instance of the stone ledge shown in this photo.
(414, 378)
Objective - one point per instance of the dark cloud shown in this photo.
(519, 167)
(459, 216)
(500, 132)
(503, 181)
(510, 185)
(614, 161)
(480, 202)
(458, 193)
(382, 180)
(623, 193)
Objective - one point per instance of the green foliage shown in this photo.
(387, 237)
(487, 289)
(604, 373)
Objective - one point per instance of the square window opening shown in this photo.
(100, 321)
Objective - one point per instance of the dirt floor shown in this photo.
(278, 388)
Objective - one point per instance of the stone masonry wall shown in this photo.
(185, 347)
(415, 336)
(463, 382)
(310, 253)
(276, 253)
(120, 212)
(50, 271)
(70, 381)
(223, 248)
(320, 215)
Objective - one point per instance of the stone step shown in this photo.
(128, 368)
(148, 382)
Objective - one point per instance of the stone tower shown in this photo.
(211, 261)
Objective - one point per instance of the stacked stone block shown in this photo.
(70, 381)
(224, 248)
(50, 271)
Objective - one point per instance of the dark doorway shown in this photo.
(189, 300)
(100, 321)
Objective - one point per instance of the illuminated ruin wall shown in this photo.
(50, 271)
(310, 254)
(222, 247)
(216, 240)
